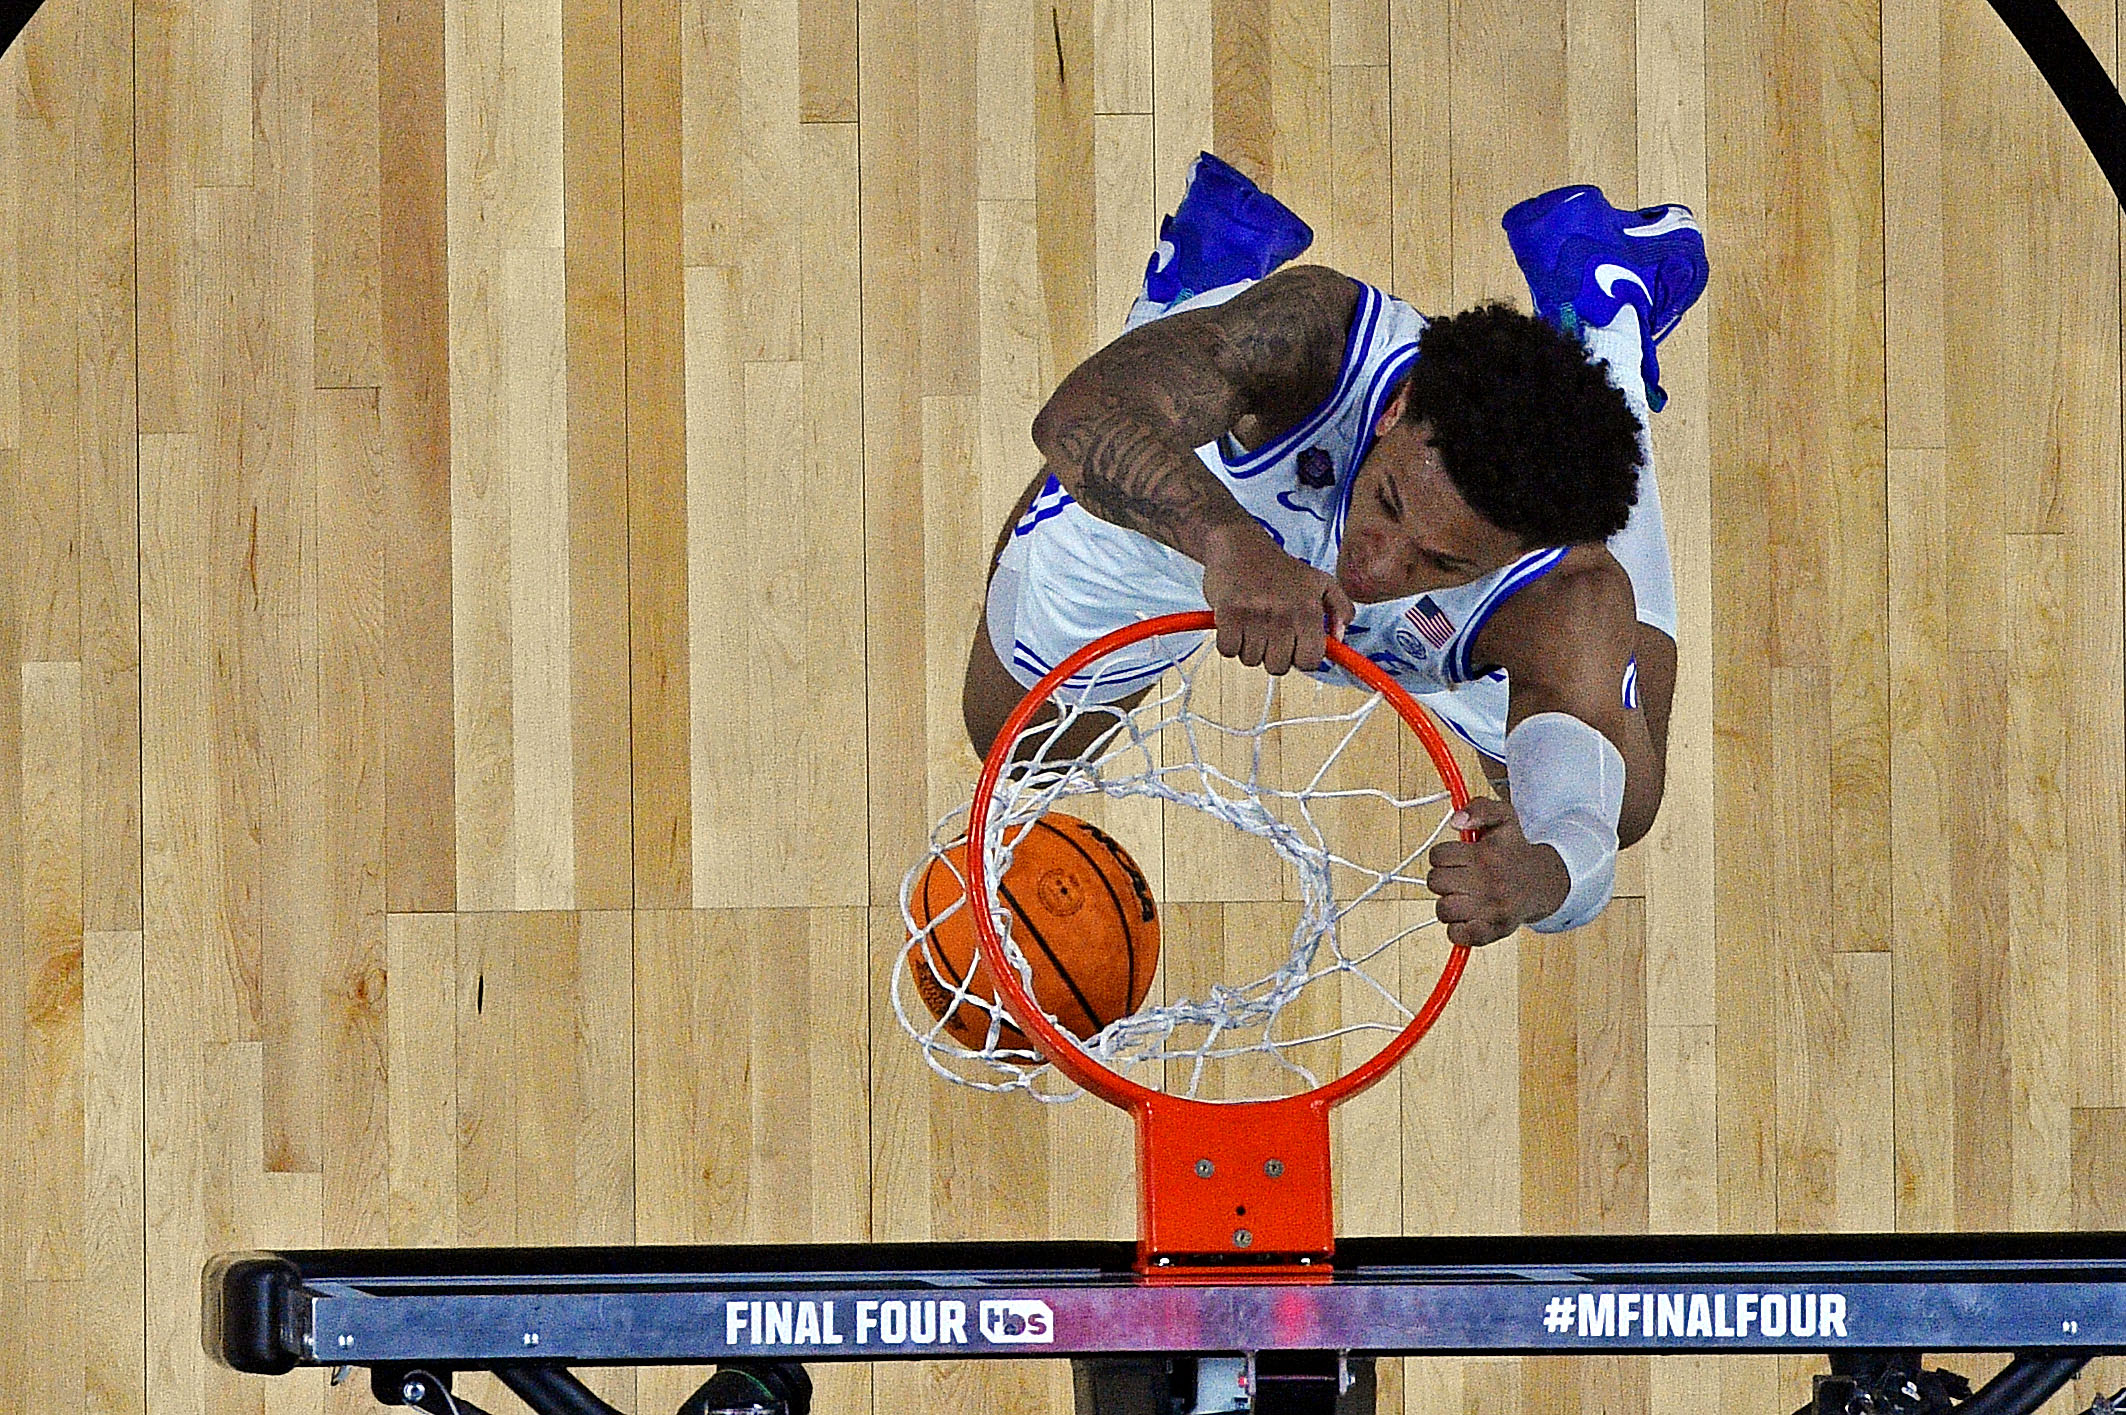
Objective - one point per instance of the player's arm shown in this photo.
(1586, 772)
(1121, 433)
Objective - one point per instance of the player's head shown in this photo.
(1505, 437)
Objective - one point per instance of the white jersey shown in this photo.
(1066, 576)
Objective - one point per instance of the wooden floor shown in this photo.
(496, 495)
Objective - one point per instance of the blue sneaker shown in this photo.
(1225, 229)
(1585, 260)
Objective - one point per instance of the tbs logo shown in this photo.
(1018, 1323)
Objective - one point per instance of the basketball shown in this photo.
(1082, 913)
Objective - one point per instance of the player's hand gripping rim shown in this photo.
(1273, 611)
(1490, 886)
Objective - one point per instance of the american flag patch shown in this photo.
(1435, 626)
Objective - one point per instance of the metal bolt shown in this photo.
(414, 1391)
(346, 1340)
(1273, 1168)
(531, 1338)
(1241, 1238)
(1204, 1169)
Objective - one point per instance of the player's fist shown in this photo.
(1490, 886)
(1272, 610)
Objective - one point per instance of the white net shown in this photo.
(1231, 785)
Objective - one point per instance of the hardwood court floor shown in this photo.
(495, 497)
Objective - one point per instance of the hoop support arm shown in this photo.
(1224, 1184)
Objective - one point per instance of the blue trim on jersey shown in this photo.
(1284, 499)
(1035, 518)
(1385, 380)
(1041, 507)
(1522, 573)
(1363, 320)
(1631, 682)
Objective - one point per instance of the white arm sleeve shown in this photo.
(1568, 790)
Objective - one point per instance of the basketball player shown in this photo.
(1462, 500)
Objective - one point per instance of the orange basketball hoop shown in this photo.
(1219, 1182)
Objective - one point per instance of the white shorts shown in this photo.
(1066, 577)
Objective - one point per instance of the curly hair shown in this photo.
(1530, 430)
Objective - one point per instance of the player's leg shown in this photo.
(1587, 262)
(990, 693)
(1225, 230)
(1620, 281)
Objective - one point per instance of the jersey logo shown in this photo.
(1429, 621)
(1409, 648)
(1315, 469)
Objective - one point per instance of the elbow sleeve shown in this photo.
(1568, 791)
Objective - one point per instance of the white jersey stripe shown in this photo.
(1270, 454)
(1521, 573)
(1386, 380)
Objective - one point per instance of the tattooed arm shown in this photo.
(1120, 434)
